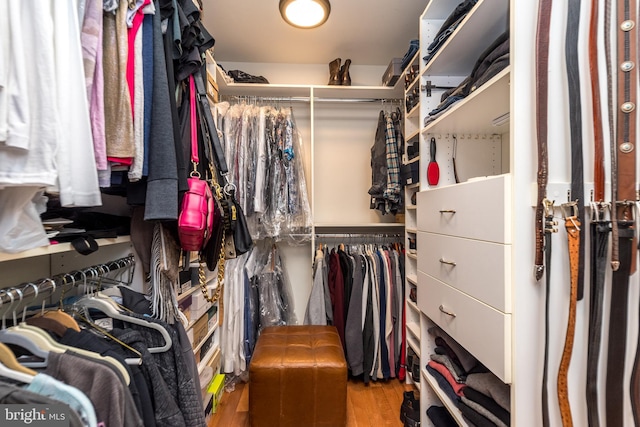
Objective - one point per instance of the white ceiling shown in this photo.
(370, 32)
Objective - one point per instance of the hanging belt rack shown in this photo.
(32, 290)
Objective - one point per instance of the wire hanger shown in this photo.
(107, 306)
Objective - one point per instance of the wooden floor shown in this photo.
(374, 405)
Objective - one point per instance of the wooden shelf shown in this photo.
(412, 256)
(305, 92)
(415, 111)
(412, 305)
(412, 278)
(414, 328)
(453, 409)
(59, 248)
(475, 113)
(482, 25)
(211, 354)
(209, 333)
(415, 345)
(411, 207)
(411, 136)
(411, 230)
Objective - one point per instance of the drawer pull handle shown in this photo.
(451, 263)
(448, 313)
(448, 211)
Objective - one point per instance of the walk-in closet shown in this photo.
(416, 213)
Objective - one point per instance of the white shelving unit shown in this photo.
(469, 130)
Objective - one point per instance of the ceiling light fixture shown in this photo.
(305, 13)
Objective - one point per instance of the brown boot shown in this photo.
(334, 72)
(345, 77)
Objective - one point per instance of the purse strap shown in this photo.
(211, 130)
(194, 130)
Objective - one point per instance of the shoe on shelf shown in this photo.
(345, 77)
(334, 72)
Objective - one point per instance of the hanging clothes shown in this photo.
(263, 149)
(269, 302)
(386, 152)
(367, 312)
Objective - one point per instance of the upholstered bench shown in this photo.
(298, 377)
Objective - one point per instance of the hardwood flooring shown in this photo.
(373, 405)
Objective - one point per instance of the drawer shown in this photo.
(484, 331)
(475, 267)
(477, 209)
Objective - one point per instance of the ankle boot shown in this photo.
(334, 72)
(345, 77)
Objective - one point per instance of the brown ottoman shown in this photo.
(298, 377)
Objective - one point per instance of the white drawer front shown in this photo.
(482, 330)
(480, 269)
(477, 210)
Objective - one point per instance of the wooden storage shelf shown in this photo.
(59, 248)
(451, 407)
(482, 25)
(475, 114)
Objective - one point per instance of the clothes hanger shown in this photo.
(58, 315)
(10, 368)
(32, 343)
(107, 306)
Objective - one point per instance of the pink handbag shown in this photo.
(195, 222)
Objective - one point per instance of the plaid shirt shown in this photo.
(392, 192)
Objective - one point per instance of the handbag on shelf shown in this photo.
(195, 221)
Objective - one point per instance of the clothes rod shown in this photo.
(49, 285)
(308, 99)
(355, 236)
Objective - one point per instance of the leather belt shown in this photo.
(599, 229)
(572, 225)
(550, 224)
(598, 260)
(575, 123)
(573, 210)
(623, 195)
(542, 69)
(618, 328)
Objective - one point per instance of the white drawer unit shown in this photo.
(477, 209)
(478, 268)
(484, 331)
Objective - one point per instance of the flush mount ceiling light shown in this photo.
(305, 13)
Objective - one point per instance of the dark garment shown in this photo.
(495, 52)
(336, 288)
(137, 386)
(147, 76)
(449, 26)
(166, 410)
(182, 160)
(174, 370)
(382, 289)
(347, 274)
(161, 202)
(442, 344)
(488, 403)
(137, 302)
(353, 330)
(440, 417)
(444, 385)
(379, 160)
(474, 416)
(367, 331)
(14, 395)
